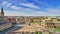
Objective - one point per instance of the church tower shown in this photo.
(2, 13)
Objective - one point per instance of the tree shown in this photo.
(40, 32)
(59, 27)
(35, 32)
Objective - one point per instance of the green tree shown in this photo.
(35, 32)
(59, 27)
(40, 32)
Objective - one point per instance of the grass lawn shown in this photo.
(55, 29)
(35, 23)
(36, 32)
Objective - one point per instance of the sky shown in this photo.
(31, 7)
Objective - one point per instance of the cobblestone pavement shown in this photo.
(28, 28)
(22, 27)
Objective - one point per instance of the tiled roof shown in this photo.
(3, 22)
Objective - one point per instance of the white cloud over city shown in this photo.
(34, 8)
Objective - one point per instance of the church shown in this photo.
(4, 23)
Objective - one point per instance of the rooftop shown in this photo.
(3, 22)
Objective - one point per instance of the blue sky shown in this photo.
(31, 7)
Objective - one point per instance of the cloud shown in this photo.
(15, 7)
(14, 13)
(40, 12)
(29, 5)
(43, 3)
(54, 10)
(29, 11)
(7, 4)
(59, 7)
(36, 13)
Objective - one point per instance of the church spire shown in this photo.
(2, 11)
